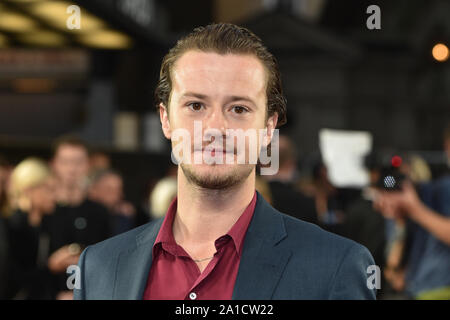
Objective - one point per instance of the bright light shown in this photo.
(389, 182)
(106, 39)
(15, 22)
(25, 1)
(42, 38)
(440, 52)
(396, 161)
(54, 13)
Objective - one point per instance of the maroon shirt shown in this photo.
(175, 276)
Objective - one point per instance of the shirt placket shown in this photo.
(193, 293)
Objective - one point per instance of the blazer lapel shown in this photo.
(134, 265)
(260, 269)
(262, 263)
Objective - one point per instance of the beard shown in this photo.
(217, 180)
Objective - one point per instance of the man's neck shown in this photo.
(70, 194)
(203, 215)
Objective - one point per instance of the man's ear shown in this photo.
(271, 124)
(165, 124)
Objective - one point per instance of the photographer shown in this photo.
(428, 261)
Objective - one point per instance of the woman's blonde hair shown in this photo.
(28, 173)
(162, 195)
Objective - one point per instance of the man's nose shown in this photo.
(216, 120)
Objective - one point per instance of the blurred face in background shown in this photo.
(99, 161)
(70, 164)
(42, 196)
(108, 190)
(222, 92)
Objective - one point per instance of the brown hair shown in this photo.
(71, 140)
(225, 38)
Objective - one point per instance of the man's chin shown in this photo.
(216, 176)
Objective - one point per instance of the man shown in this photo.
(106, 187)
(426, 273)
(219, 238)
(77, 221)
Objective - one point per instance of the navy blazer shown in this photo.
(282, 258)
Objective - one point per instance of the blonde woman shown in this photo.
(32, 200)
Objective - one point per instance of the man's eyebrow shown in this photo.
(240, 98)
(194, 95)
(228, 98)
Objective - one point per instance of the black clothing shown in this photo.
(367, 227)
(288, 200)
(85, 224)
(29, 277)
(4, 259)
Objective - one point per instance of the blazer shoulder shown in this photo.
(315, 238)
(124, 241)
(338, 267)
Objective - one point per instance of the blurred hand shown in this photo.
(63, 257)
(396, 279)
(64, 295)
(397, 204)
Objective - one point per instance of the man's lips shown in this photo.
(214, 150)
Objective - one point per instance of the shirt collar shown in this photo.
(237, 231)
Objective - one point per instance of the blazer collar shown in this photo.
(260, 259)
(134, 265)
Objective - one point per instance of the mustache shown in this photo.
(216, 148)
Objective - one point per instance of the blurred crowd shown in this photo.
(51, 210)
(402, 216)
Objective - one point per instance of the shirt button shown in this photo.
(192, 295)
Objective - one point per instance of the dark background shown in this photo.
(336, 74)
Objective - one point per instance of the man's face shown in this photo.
(108, 190)
(221, 92)
(71, 164)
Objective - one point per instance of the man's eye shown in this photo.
(239, 109)
(195, 106)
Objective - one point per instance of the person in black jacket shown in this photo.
(4, 172)
(78, 221)
(32, 199)
(3, 258)
(285, 197)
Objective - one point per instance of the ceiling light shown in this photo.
(440, 52)
(106, 39)
(15, 22)
(42, 38)
(25, 1)
(55, 13)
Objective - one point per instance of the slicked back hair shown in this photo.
(225, 38)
